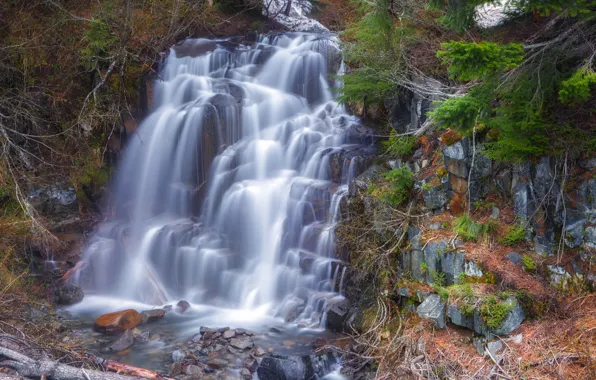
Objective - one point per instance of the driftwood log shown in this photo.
(49, 369)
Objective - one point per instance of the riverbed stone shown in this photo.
(433, 308)
(179, 355)
(123, 342)
(242, 343)
(117, 322)
(229, 334)
(217, 363)
(152, 315)
(286, 368)
(182, 306)
(193, 370)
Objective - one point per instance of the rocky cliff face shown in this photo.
(481, 245)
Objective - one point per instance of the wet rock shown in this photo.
(193, 370)
(514, 257)
(152, 315)
(178, 355)
(229, 334)
(251, 364)
(260, 351)
(286, 368)
(245, 373)
(182, 306)
(242, 343)
(117, 322)
(175, 369)
(142, 337)
(68, 294)
(337, 312)
(433, 308)
(123, 342)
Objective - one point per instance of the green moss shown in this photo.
(494, 311)
(399, 146)
(528, 263)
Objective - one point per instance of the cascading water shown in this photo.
(228, 195)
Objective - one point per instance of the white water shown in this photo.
(229, 194)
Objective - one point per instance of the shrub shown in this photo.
(478, 60)
(471, 230)
(577, 89)
(396, 187)
(515, 235)
(399, 146)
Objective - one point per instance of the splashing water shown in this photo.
(229, 193)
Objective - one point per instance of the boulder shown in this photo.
(433, 308)
(457, 318)
(68, 294)
(514, 319)
(123, 342)
(117, 322)
(152, 315)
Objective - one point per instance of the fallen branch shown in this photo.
(46, 368)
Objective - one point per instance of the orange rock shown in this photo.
(115, 323)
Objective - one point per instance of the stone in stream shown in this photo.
(242, 343)
(245, 373)
(175, 369)
(123, 342)
(217, 363)
(115, 323)
(193, 370)
(229, 334)
(178, 356)
(142, 337)
(68, 294)
(286, 368)
(152, 315)
(251, 364)
(182, 306)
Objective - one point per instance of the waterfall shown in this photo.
(229, 192)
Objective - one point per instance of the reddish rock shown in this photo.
(115, 323)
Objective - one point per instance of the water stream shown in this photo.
(228, 194)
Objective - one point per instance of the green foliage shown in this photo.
(515, 235)
(574, 8)
(529, 264)
(494, 311)
(399, 146)
(469, 61)
(462, 113)
(467, 310)
(375, 52)
(438, 278)
(458, 14)
(471, 230)
(462, 291)
(396, 186)
(98, 43)
(577, 89)
(423, 267)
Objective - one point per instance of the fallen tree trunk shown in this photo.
(49, 369)
(129, 370)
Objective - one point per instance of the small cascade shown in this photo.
(228, 195)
